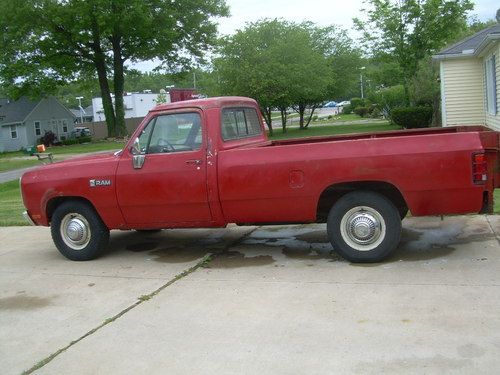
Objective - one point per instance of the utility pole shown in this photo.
(361, 81)
(79, 98)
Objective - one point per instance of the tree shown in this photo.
(277, 63)
(45, 43)
(411, 30)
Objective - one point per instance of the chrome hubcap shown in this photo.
(75, 231)
(363, 228)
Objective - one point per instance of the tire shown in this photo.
(364, 227)
(78, 232)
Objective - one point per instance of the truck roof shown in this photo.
(207, 103)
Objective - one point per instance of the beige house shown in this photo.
(470, 80)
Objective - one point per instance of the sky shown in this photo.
(321, 12)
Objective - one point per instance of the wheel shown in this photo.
(364, 227)
(78, 231)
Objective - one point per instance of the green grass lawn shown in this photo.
(18, 159)
(86, 147)
(11, 204)
(11, 164)
(315, 130)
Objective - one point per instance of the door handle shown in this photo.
(194, 162)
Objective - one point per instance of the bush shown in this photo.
(67, 142)
(48, 139)
(412, 117)
(347, 109)
(75, 141)
(362, 111)
(358, 102)
(390, 97)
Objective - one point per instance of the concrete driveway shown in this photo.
(271, 300)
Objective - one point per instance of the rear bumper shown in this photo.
(28, 218)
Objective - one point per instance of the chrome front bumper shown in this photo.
(28, 218)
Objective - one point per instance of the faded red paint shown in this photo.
(255, 180)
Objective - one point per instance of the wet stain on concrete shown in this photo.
(433, 243)
(142, 246)
(306, 254)
(235, 259)
(23, 302)
(317, 236)
(183, 254)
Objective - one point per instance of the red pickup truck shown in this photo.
(207, 163)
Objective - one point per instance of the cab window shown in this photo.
(239, 123)
(172, 133)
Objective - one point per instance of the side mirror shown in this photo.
(138, 157)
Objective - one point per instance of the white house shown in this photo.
(136, 105)
(470, 80)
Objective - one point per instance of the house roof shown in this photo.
(471, 46)
(12, 112)
(472, 43)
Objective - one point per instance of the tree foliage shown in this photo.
(283, 64)
(411, 30)
(45, 43)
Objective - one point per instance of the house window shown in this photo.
(64, 126)
(491, 86)
(13, 131)
(38, 129)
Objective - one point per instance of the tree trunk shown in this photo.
(118, 81)
(266, 111)
(107, 103)
(118, 78)
(283, 118)
(100, 65)
(302, 109)
(310, 116)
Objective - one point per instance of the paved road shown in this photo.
(13, 175)
(272, 300)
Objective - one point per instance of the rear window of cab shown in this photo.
(239, 123)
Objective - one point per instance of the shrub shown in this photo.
(356, 102)
(412, 117)
(375, 112)
(390, 97)
(315, 118)
(362, 111)
(347, 109)
(67, 142)
(48, 139)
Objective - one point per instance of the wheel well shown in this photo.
(56, 202)
(334, 192)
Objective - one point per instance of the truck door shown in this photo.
(163, 179)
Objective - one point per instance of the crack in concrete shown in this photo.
(491, 228)
(141, 299)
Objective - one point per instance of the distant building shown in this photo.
(23, 122)
(136, 105)
(87, 115)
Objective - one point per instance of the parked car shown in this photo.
(343, 103)
(331, 104)
(207, 163)
(80, 131)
